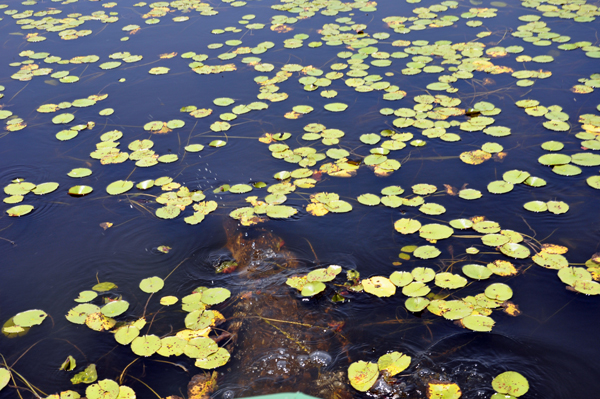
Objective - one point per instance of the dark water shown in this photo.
(50, 255)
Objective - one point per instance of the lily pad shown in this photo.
(499, 292)
(214, 360)
(478, 323)
(427, 252)
(435, 231)
(393, 363)
(416, 304)
(146, 345)
(443, 390)
(213, 296)
(379, 286)
(19, 210)
(313, 288)
(30, 318)
(407, 226)
(119, 187)
(476, 272)
(151, 285)
(336, 107)
(362, 375)
(511, 383)
(514, 250)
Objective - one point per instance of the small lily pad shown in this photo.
(511, 383)
(152, 284)
(362, 375)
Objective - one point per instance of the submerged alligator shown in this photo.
(282, 343)
(279, 343)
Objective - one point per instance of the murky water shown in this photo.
(58, 250)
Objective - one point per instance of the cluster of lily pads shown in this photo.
(363, 375)
(193, 341)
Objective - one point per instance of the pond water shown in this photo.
(473, 126)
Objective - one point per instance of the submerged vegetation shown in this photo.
(440, 83)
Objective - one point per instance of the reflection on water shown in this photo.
(280, 340)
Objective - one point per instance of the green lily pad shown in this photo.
(146, 345)
(457, 309)
(569, 275)
(29, 318)
(594, 182)
(415, 289)
(500, 187)
(119, 187)
(324, 274)
(450, 281)
(45, 188)
(104, 286)
(393, 363)
(469, 194)
(536, 206)
(240, 188)
(499, 292)
(478, 323)
(441, 389)
(407, 226)
(86, 296)
(416, 304)
(63, 118)
(435, 231)
(427, 252)
(587, 287)
(199, 348)
(461, 224)
(336, 107)
(80, 191)
(213, 296)
(103, 389)
(19, 210)
(4, 377)
(173, 346)
(515, 176)
(566, 170)
(476, 272)
(115, 308)
(511, 383)
(400, 279)
(126, 334)
(151, 285)
(313, 288)
(87, 376)
(369, 199)
(514, 250)
(554, 159)
(214, 360)
(432, 209)
(168, 212)
(379, 286)
(362, 375)
(65, 135)
(585, 159)
(370, 138)
(79, 313)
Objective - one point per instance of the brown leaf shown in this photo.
(106, 225)
(292, 115)
(451, 190)
(202, 386)
(511, 309)
(558, 249)
(266, 138)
